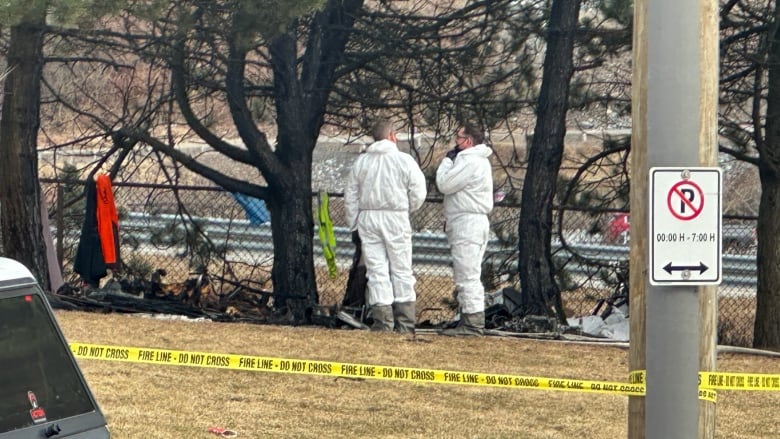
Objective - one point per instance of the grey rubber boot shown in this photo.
(383, 318)
(404, 313)
(469, 325)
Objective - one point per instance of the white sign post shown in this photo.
(685, 226)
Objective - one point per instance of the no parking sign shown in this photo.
(685, 226)
(685, 200)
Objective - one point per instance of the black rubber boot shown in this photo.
(383, 318)
(404, 313)
(470, 325)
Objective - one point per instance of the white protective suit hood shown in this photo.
(467, 182)
(391, 181)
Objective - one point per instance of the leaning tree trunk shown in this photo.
(20, 212)
(537, 270)
(766, 333)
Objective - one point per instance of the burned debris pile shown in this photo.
(505, 311)
(195, 297)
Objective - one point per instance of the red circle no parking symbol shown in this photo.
(685, 200)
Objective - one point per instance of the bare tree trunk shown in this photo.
(292, 223)
(766, 333)
(20, 208)
(535, 228)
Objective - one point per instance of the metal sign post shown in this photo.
(680, 130)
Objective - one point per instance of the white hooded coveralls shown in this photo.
(467, 185)
(383, 187)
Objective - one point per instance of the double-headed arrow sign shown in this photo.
(670, 268)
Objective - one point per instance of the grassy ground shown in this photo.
(154, 401)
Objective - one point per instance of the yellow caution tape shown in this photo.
(345, 370)
(725, 380)
(638, 377)
(709, 382)
(739, 381)
(708, 395)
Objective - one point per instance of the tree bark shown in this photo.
(20, 194)
(301, 103)
(766, 333)
(292, 224)
(536, 265)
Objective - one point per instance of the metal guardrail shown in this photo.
(428, 247)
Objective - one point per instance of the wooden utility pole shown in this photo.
(709, 39)
(638, 229)
(674, 101)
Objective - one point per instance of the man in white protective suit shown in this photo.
(383, 187)
(465, 177)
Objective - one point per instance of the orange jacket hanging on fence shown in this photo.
(107, 221)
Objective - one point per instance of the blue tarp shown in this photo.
(256, 211)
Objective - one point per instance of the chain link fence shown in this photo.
(188, 231)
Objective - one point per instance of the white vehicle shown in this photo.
(44, 394)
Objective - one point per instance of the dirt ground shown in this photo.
(159, 401)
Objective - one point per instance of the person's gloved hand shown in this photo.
(451, 154)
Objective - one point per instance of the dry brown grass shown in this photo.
(152, 401)
(432, 290)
